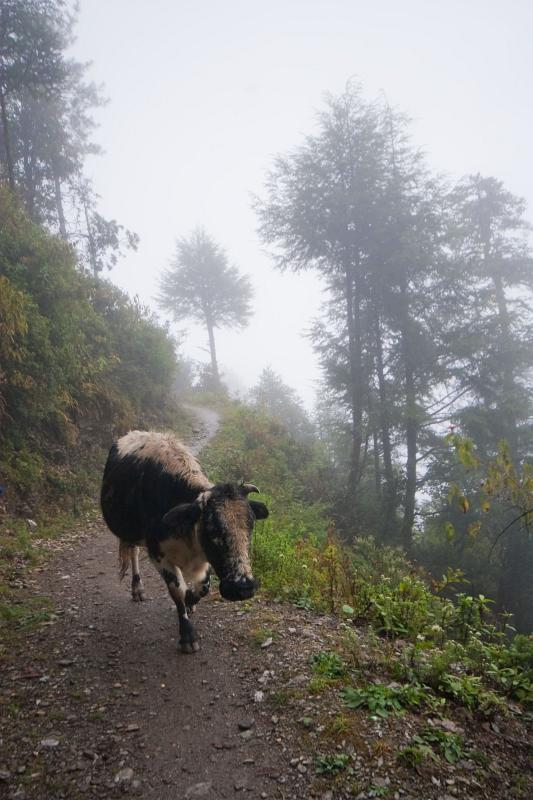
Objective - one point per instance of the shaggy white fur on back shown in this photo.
(164, 449)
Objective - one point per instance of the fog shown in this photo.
(204, 94)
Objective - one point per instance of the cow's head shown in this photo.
(223, 518)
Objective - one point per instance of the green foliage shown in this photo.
(405, 609)
(414, 755)
(426, 663)
(280, 402)
(16, 546)
(46, 128)
(468, 691)
(13, 328)
(80, 362)
(510, 667)
(470, 615)
(488, 525)
(260, 635)
(328, 664)
(320, 683)
(26, 615)
(450, 745)
(382, 700)
(331, 764)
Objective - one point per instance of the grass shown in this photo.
(285, 697)
(22, 549)
(414, 755)
(27, 614)
(258, 636)
(328, 664)
(319, 683)
(339, 726)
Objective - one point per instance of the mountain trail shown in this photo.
(97, 701)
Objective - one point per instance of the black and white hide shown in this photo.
(154, 494)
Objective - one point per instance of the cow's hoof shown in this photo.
(191, 601)
(189, 647)
(138, 595)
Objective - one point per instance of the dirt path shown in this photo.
(103, 703)
(207, 422)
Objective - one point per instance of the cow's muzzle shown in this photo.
(241, 589)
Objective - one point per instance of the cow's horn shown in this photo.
(249, 487)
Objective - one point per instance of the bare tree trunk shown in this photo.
(390, 483)
(7, 146)
(509, 414)
(356, 387)
(59, 204)
(92, 246)
(213, 352)
(27, 187)
(377, 466)
(411, 422)
(515, 589)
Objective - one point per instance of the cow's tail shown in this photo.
(124, 558)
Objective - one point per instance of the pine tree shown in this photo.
(46, 129)
(33, 36)
(201, 285)
(279, 401)
(355, 204)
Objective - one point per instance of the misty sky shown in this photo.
(204, 94)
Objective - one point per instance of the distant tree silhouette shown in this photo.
(201, 285)
(281, 402)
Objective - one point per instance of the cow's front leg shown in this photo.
(137, 588)
(199, 588)
(177, 588)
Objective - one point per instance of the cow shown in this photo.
(154, 494)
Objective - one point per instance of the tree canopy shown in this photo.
(77, 357)
(201, 285)
(428, 320)
(46, 129)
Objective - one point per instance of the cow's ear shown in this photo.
(183, 516)
(260, 510)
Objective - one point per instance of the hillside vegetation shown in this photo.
(451, 646)
(79, 364)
